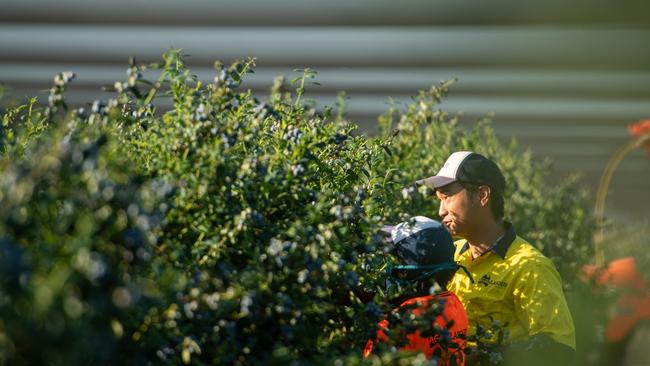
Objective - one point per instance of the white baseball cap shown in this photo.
(467, 167)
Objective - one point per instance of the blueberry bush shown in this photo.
(227, 228)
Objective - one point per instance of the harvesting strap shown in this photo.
(428, 270)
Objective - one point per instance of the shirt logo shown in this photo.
(487, 281)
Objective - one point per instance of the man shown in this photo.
(517, 296)
(425, 251)
(629, 316)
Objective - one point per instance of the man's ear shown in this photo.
(484, 193)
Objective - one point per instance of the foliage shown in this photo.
(223, 229)
(75, 251)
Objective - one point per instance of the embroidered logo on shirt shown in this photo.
(486, 281)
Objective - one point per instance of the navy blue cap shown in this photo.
(422, 241)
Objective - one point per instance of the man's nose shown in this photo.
(442, 211)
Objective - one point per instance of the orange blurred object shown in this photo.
(639, 129)
(453, 316)
(633, 303)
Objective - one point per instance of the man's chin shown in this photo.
(451, 229)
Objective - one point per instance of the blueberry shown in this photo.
(311, 196)
(68, 76)
(351, 279)
(373, 309)
(297, 169)
(338, 212)
(259, 108)
(407, 192)
(221, 77)
(339, 138)
(261, 170)
(201, 113)
(294, 135)
(227, 140)
(133, 72)
(63, 78)
(257, 219)
(98, 107)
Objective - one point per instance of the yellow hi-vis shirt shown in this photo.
(514, 284)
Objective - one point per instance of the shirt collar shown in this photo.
(501, 246)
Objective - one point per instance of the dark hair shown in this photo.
(496, 204)
(496, 199)
(442, 278)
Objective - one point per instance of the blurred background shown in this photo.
(564, 79)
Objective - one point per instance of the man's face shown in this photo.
(456, 208)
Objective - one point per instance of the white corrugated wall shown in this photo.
(564, 79)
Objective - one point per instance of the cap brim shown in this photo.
(435, 182)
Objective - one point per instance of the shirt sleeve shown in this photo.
(540, 304)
